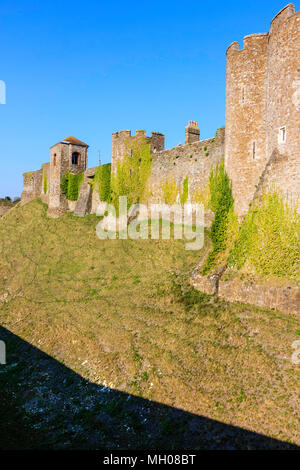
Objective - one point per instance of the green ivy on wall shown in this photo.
(269, 238)
(184, 193)
(70, 185)
(45, 182)
(221, 203)
(102, 182)
(201, 195)
(170, 191)
(132, 174)
(64, 184)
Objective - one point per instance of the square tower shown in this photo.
(121, 141)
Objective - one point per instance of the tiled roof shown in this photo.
(73, 140)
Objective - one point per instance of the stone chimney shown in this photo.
(192, 132)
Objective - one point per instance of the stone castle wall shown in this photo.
(193, 160)
(60, 164)
(261, 147)
(245, 141)
(32, 186)
(121, 141)
(262, 101)
(283, 102)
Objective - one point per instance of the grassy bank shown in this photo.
(121, 314)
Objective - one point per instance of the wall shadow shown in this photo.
(46, 405)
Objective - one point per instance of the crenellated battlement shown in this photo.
(233, 47)
(254, 41)
(261, 109)
(121, 139)
(250, 43)
(139, 133)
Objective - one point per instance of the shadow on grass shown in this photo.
(45, 405)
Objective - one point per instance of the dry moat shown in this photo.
(109, 347)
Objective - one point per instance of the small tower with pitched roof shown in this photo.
(69, 155)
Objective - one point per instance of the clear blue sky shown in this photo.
(90, 68)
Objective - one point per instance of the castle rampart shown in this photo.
(32, 186)
(283, 101)
(245, 142)
(261, 143)
(45, 182)
(121, 141)
(193, 160)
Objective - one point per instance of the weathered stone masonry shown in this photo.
(194, 160)
(263, 111)
(121, 140)
(261, 144)
(262, 131)
(68, 155)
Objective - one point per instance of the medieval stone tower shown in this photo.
(262, 144)
(261, 139)
(68, 155)
(121, 140)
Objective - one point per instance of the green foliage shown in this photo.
(170, 191)
(132, 173)
(269, 238)
(232, 229)
(201, 195)
(221, 202)
(70, 185)
(184, 194)
(75, 182)
(45, 182)
(102, 182)
(242, 246)
(64, 184)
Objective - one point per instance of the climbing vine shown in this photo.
(221, 203)
(184, 192)
(169, 191)
(201, 195)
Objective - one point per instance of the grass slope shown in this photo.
(121, 314)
